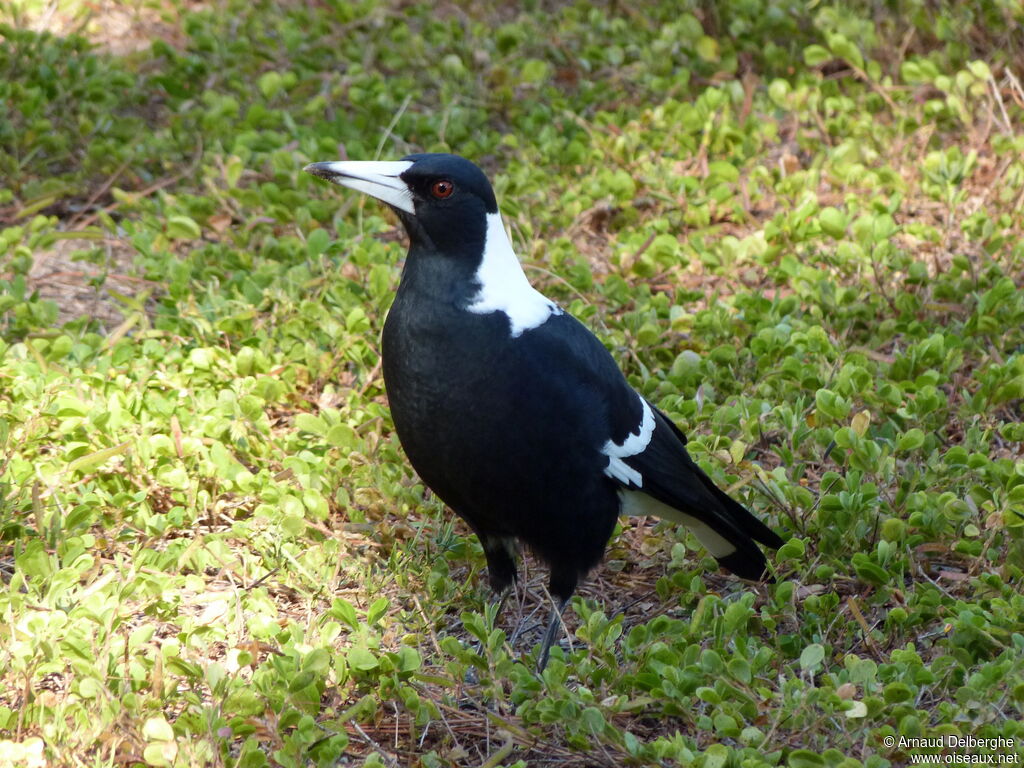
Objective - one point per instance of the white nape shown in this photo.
(631, 446)
(378, 178)
(503, 284)
(635, 503)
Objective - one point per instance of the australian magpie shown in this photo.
(509, 409)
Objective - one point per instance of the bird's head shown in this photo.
(443, 200)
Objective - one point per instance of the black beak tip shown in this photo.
(320, 170)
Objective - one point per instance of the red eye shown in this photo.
(442, 189)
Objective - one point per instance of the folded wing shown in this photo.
(658, 477)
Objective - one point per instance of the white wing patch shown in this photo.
(504, 287)
(631, 446)
(639, 503)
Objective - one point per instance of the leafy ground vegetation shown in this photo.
(797, 225)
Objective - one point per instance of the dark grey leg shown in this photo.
(554, 624)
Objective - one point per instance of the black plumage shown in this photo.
(510, 410)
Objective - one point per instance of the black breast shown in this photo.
(494, 431)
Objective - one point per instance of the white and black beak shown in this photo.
(379, 179)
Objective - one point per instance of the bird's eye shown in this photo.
(442, 189)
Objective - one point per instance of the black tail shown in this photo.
(683, 486)
(748, 561)
(740, 516)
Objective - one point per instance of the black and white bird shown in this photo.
(510, 410)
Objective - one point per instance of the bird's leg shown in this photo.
(522, 621)
(554, 624)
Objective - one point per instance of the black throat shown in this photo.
(443, 261)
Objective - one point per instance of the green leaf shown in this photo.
(1011, 390)
(270, 84)
(362, 659)
(182, 228)
(593, 719)
(356, 321)
(911, 440)
(380, 280)
(345, 611)
(816, 55)
(845, 50)
(856, 709)
(778, 92)
(897, 692)
(377, 609)
(317, 661)
(301, 679)
(794, 549)
(408, 659)
(812, 657)
(201, 358)
(90, 688)
(95, 459)
(832, 222)
(534, 71)
(716, 756)
(708, 694)
(315, 504)
(160, 754)
(307, 422)
(317, 242)
(979, 69)
(869, 571)
(831, 404)
(341, 436)
(707, 49)
(804, 758)
(157, 729)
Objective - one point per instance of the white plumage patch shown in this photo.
(504, 287)
(637, 503)
(631, 446)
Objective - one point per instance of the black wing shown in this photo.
(670, 477)
(679, 488)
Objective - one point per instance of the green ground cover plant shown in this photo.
(798, 226)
